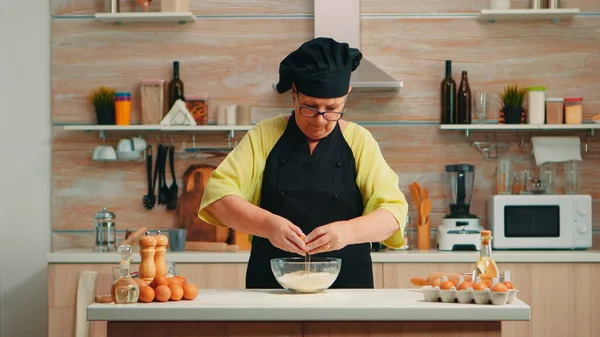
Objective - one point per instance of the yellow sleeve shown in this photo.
(377, 182)
(241, 172)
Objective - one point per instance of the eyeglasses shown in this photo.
(312, 112)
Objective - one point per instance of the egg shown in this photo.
(446, 285)
(499, 288)
(182, 279)
(465, 285)
(163, 293)
(146, 294)
(176, 292)
(480, 286)
(508, 285)
(437, 282)
(159, 281)
(190, 291)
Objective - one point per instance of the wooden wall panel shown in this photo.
(243, 69)
(235, 63)
(222, 58)
(259, 7)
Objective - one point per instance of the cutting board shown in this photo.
(194, 183)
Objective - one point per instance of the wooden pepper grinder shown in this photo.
(161, 250)
(147, 251)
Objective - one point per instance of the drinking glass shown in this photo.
(480, 103)
(571, 177)
(504, 179)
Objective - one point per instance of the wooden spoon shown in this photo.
(425, 209)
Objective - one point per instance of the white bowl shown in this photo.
(125, 145)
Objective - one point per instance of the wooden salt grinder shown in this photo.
(147, 251)
(161, 251)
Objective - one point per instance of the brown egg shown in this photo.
(174, 280)
(465, 285)
(176, 292)
(509, 285)
(146, 294)
(446, 285)
(159, 281)
(141, 283)
(163, 293)
(499, 288)
(190, 291)
(480, 286)
(182, 279)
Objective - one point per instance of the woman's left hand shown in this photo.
(326, 238)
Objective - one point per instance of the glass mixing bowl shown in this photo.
(297, 275)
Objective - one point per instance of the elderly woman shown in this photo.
(309, 182)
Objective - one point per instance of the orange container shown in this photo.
(123, 108)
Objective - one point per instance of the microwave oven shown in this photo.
(547, 221)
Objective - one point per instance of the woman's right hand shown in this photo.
(285, 235)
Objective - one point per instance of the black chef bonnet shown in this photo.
(320, 68)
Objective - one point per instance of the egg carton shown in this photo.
(468, 295)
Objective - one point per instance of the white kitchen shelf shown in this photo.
(467, 128)
(207, 128)
(554, 15)
(133, 17)
(160, 128)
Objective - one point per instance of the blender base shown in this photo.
(459, 234)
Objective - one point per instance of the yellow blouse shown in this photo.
(241, 173)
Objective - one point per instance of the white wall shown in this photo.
(25, 149)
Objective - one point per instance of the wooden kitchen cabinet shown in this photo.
(63, 279)
(563, 297)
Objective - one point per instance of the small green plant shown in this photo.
(102, 97)
(513, 96)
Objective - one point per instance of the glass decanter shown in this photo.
(125, 289)
(486, 268)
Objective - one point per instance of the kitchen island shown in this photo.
(334, 312)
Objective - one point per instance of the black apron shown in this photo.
(311, 191)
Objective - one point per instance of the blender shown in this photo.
(460, 229)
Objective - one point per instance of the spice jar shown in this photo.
(123, 108)
(554, 110)
(535, 102)
(152, 92)
(574, 110)
(105, 231)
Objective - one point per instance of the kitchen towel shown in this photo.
(556, 149)
(86, 290)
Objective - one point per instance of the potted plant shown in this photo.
(103, 101)
(512, 103)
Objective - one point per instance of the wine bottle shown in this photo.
(175, 87)
(448, 96)
(464, 101)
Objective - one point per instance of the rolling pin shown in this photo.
(420, 281)
(133, 237)
(210, 246)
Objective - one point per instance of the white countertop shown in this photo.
(408, 256)
(330, 305)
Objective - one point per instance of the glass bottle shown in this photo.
(486, 268)
(448, 97)
(125, 289)
(463, 101)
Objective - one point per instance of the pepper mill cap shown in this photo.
(161, 240)
(147, 241)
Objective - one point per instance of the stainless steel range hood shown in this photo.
(340, 20)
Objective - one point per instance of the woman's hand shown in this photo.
(285, 235)
(333, 236)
